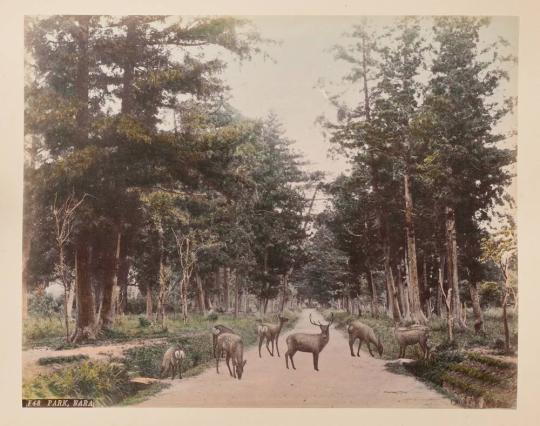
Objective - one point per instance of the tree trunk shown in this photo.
(200, 294)
(236, 296)
(149, 310)
(477, 310)
(184, 285)
(452, 263)
(284, 282)
(448, 302)
(162, 292)
(226, 303)
(85, 324)
(403, 294)
(393, 305)
(414, 289)
(122, 279)
(71, 300)
(371, 284)
(112, 253)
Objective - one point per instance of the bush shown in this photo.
(104, 382)
(490, 294)
(44, 306)
(143, 322)
(213, 316)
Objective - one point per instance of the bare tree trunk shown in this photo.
(448, 302)
(451, 259)
(393, 304)
(403, 292)
(414, 288)
(284, 285)
(477, 310)
(162, 292)
(71, 300)
(236, 296)
(371, 284)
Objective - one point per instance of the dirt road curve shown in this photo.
(343, 381)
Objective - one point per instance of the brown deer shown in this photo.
(270, 332)
(363, 332)
(233, 347)
(172, 361)
(305, 342)
(411, 336)
(216, 331)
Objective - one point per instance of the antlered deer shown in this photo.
(363, 332)
(216, 331)
(172, 361)
(233, 347)
(411, 336)
(305, 342)
(270, 332)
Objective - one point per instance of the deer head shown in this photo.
(325, 328)
(379, 346)
(240, 369)
(282, 320)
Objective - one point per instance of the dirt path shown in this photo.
(343, 381)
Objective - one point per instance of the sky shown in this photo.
(288, 84)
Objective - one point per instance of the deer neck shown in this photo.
(323, 340)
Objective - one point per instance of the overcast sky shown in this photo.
(287, 85)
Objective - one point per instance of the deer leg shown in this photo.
(214, 341)
(180, 370)
(287, 359)
(217, 365)
(272, 347)
(351, 343)
(268, 347)
(161, 372)
(291, 354)
(173, 372)
(359, 346)
(260, 344)
(369, 349)
(316, 361)
(227, 359)
(277, 348)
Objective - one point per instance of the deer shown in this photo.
(363, 332)
(216, 331)
(172, 361)
(305, 342)
(411, 336)
(233, 347)
(270, 332)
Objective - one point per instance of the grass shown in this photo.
(50, 331)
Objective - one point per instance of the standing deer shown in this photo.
(270, 332)
(411, 336)
(305, 342)
(172, 361)
(216, 331)
(358, 330)
(233, 347)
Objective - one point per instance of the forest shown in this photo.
(157, 205)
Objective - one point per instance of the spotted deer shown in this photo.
(270, 332)
(407, 336)
(172, 362)
(363, 332)
(233, 347)
(305, 342)
(216, 331)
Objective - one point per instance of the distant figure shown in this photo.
(172, 362)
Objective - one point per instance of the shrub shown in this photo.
(143, 322)
(44, 305)
(104, 382)
(213, 316)
(490, 294)
(61, 359)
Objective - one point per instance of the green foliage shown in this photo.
(106, 383)
(44, 305)
(490, 294)
(143, 322)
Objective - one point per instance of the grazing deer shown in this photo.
(216, 331)
(411, 336)
(305, 342)
(172, 361)
(233, 347)
(363, 332)
(270, 332)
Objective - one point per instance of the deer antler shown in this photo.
(331, 319)
(311, 321)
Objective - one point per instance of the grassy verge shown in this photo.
(462, 370)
